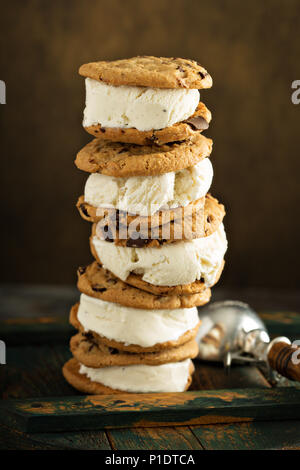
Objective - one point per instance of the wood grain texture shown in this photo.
(250, 436)
(150, 410)
(11, 439)
(213, 376)
(285, 359)
(34, 371)
(167, 438)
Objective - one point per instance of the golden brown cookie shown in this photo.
(153, 72)
(179, 131)
(82, 383)
(200, 224)
(123, 160)
(92, 353)
(133, 348)
(100, 283)
(95, 214)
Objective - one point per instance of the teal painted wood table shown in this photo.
(39, 410)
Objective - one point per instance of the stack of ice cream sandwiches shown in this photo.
(157, 235)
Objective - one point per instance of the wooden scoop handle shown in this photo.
(285, 359)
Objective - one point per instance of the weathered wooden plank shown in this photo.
(34, 371)
(166, 438)
(11, 439)
(270, 435)
(212, 376)
(147, 410)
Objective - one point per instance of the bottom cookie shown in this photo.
(175, 377)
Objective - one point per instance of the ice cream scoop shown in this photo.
(232, 331)
(163, 266)
(140, 107)
(144, 195)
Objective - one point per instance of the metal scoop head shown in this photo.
(231, 330)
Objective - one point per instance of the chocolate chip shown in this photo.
(152, 139)
(109, 240)
(113, 351)
(97, 288)
(197, 123)
(202, 75)
(175, 142)
(88, 336)
(138, 243)
(210, 219)
(109, 279)
(81, 270)
(102, 129)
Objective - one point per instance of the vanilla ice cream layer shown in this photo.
(140, 107)
(144, 195)
(142, 378)
(136, 326)
(169, 265)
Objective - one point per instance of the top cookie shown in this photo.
(149, 71)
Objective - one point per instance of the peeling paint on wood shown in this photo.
(147, 410)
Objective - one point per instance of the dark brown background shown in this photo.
(252, 50)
